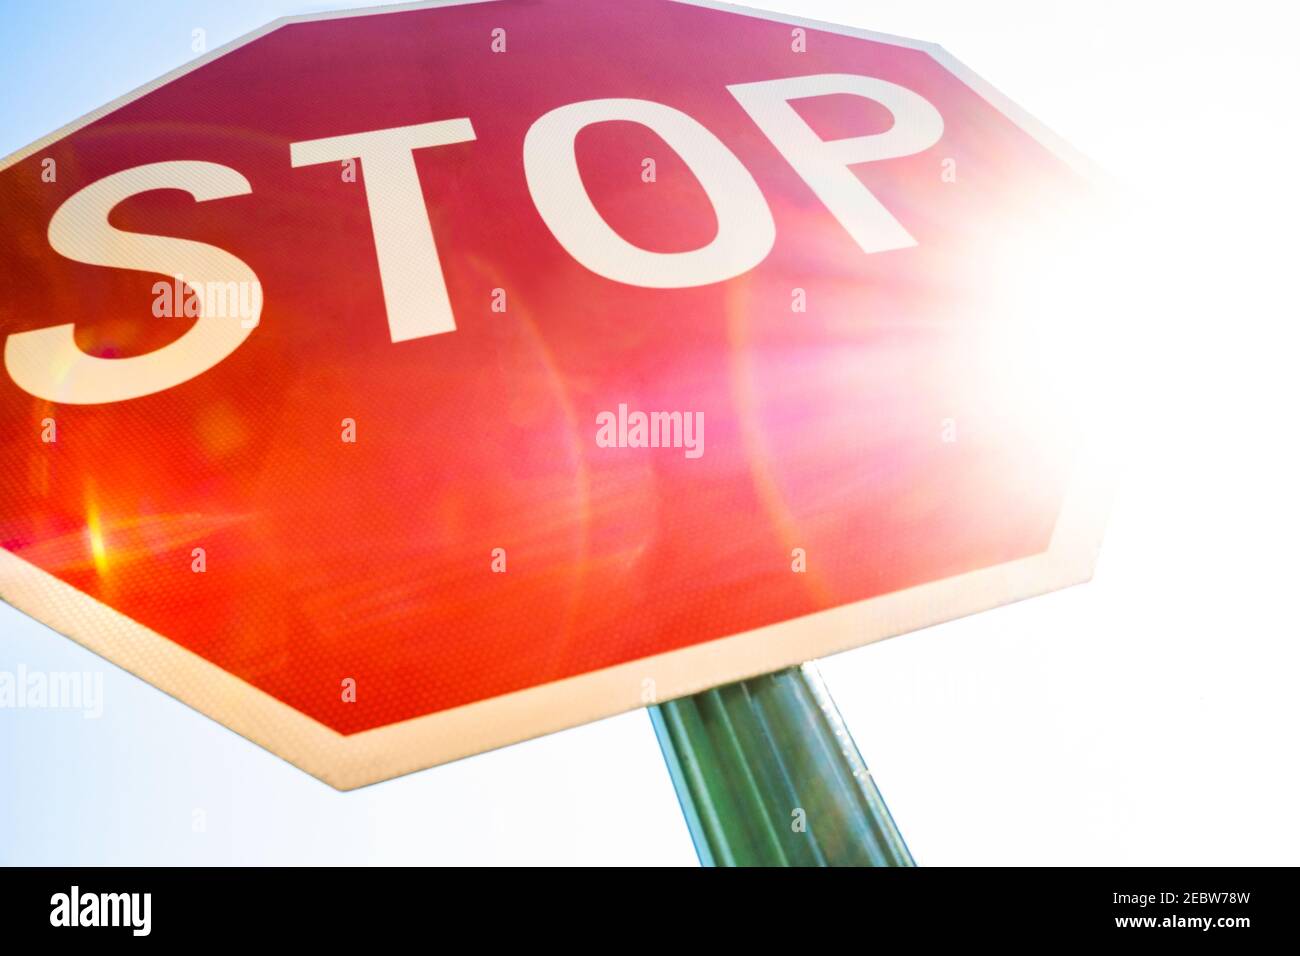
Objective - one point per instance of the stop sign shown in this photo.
(393, 386)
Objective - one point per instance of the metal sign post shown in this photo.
(768, 775)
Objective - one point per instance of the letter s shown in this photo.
(47, 363)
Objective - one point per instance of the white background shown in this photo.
(1149, 717)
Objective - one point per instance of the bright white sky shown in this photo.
(1149, 717)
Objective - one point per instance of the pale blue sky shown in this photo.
(60, 59)
(1092, 726)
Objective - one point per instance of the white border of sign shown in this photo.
(349, 761)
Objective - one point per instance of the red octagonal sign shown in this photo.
(392, 386)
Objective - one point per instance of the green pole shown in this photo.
(768, 775)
